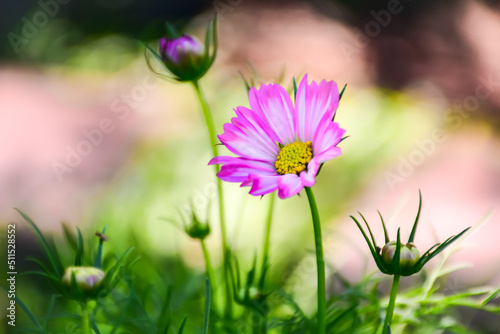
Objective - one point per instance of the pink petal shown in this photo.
(327, 135)
(313, 103)
(248, 181)
(266, 134)
(274, 106)
(246, 141)
(221, 159)
(264, 184)
(308, 177)
(289, 185)
(237, 169)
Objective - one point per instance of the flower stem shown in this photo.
(392, 303)
(208, 264)
(213, 142)
(267, 241)
(86, 319)
(320, 262)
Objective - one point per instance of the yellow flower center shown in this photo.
(293, 158)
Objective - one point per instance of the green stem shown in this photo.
(392, 303)
(86, 319)
(267, 241)
(208, 264)
(213, 142)
(320, 262)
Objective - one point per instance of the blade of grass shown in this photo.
(386, 235)
(432, 278)
(342, 92)
(181, 329)
(49, 311)
(370, 246)
(294, 88)
(111, 279)
(369, 230)
(70, 238)
(79, 248)
(396, 263)
(442, 247)
(98, 257)
(414, 229)
(54, 259)
(30, 314)
(167, 326)
(491, 297)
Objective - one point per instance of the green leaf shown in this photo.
(341, 140)
(234, 283)
(251, 273)
(414, 229)
(49, 312)
(294, 88)
(93, 324)
(79, 249)
(159, 60)
(165, 310)
(332, 323)
(55, 280)
(54, 259)
(395, 264)
(44, 268)
(181, 329)
(98, 257)
(30, 314)
(153, 52)
(171, 31)
(386, 235)
(369, 230)
(237, 269)
(110, 280)
(375, 256)
(208, 302)
(70, 238)
(342, 92)
(340, 97)
(439, 249)
(491, 297)
(75, 290)
(167, 326)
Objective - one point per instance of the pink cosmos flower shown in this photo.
(281, 146)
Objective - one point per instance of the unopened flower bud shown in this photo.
(184, 56)
(198, 230)
(408, 256)
(86, 278)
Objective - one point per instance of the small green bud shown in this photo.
(87, 278)
(408, 256)
(198, 230)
